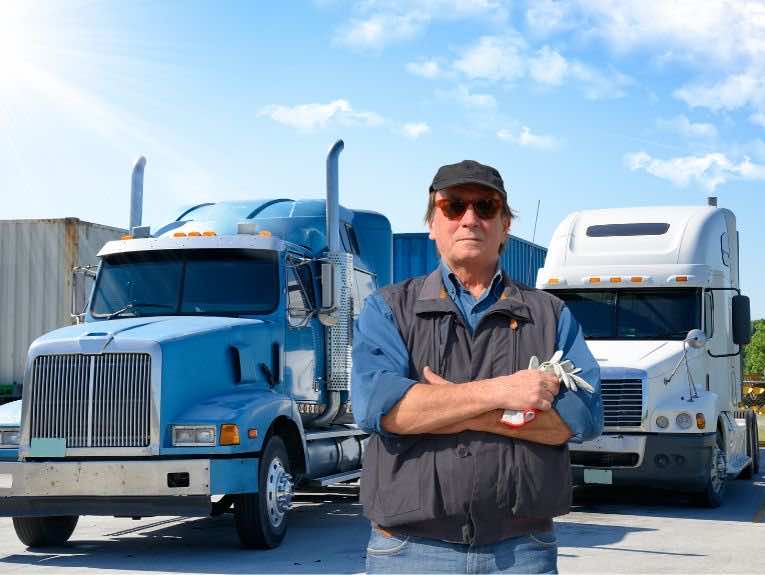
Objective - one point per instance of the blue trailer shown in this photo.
(211, 373)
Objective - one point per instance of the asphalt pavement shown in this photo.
(608, 531)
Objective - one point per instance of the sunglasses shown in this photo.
(454, 208)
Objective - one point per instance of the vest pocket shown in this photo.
(544, 480)
(398, 479)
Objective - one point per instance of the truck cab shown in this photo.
(656, 291)
(211, 373)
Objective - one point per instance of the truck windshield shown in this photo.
(664, 314)
(187, 282)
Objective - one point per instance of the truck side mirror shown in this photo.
(327, 315)
(742, 327)
(696, 339)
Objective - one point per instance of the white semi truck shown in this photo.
(656, 290)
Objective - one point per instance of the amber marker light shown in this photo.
(127, 237)
(636, 279)
(194, 234)
(252, 433)
(179, 235)
(615, 280)
(229, 434)
(209, 233)
(594, 280)
(681, 279)
(264, 234)
(701, 421)
(553, 281)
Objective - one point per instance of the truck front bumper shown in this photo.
(128, 488)
(663, 460)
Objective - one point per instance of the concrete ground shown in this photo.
(608, 531)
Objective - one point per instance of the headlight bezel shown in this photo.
(6, 432)
(188, 435)
(684, 415)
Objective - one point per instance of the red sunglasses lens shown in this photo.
(453, 209)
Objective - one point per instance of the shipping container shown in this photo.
(38, 289)
(415, 255)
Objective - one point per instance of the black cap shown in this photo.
(468, 172)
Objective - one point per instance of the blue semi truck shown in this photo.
(211, 371)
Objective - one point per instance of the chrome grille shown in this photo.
(92, 400)
(622, 402)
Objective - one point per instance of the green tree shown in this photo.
(755, 352)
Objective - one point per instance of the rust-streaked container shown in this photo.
(36, 284)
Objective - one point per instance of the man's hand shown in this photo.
(525, 389)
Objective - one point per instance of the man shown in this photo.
(436, 361)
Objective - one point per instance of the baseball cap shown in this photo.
(468, 172)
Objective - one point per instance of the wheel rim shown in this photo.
(718, 469)
(279, 492)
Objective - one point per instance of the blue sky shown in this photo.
(579, 103)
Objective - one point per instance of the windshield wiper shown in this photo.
(136, 304)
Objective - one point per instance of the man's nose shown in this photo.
(469, 218)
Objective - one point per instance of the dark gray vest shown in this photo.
(473, 486)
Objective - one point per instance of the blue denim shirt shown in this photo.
(381, 361)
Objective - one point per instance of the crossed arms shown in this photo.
(386, 401)
(438, 406)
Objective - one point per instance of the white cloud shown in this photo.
(507, 58)
(528, 139)
(683, 126)
(736, 91)
(723, 40)
(721, 30)
(464, 96)
(545, 17)
(547, 66)
(307, 117)
(415, 130)
(709, 171)
(382, 23)
(494, 58)
(425, 68)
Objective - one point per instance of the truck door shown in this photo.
(303, 335)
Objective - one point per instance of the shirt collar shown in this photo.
(453, 284)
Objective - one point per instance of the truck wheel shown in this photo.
(45, 531)
(261, 518)
(717, 473)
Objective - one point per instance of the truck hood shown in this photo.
(94, 337)
(653, 357)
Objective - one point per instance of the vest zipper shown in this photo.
(514, 333)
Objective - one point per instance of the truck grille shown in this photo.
(622, 402)
(92, 400)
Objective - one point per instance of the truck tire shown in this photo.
(261, 518)
(45, 531)
(717, 473)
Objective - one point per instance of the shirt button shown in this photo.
(462, 451)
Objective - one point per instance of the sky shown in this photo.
(580, 104)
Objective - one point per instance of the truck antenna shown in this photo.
(533, 239)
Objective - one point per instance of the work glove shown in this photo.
(565, 371)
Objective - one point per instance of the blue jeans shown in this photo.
(533, 553)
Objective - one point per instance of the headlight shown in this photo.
(193, 435)
(683, 420)
(10, 437)
(662, 422)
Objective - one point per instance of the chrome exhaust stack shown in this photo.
(136, 194)
(336, 310)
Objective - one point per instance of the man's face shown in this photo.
(468, 241)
